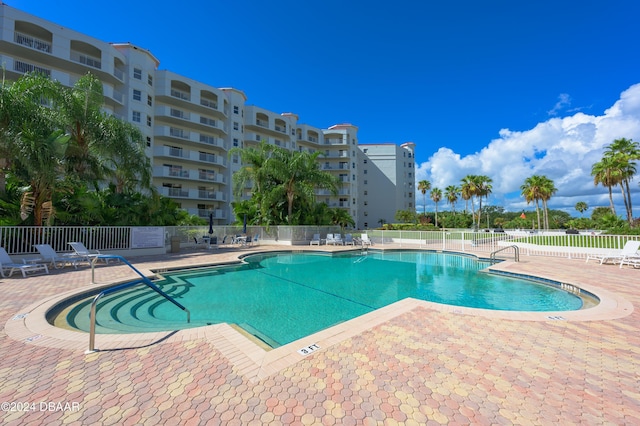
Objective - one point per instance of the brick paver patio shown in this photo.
(410, 363)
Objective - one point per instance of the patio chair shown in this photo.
(315, 240)
(329, 239)
(49, 255)
(365, 241)
(7, 264)
(630, 250)
(84, 253)
(335, 239)
(348, 240)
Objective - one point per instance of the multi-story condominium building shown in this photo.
(387, 176)
(190, 126)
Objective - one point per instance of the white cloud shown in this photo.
(563, 149)
(564, 100)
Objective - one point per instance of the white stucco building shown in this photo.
(190, 126)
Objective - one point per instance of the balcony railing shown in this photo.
(32, 42)
(84, 59)
(180, 94)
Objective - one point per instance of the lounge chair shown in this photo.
(49, 255)
(348, 240)
(85, 254)
(254, 240)
(630, 250)
(7, 264)
(315, 241)
(365, 241)
(335, 239)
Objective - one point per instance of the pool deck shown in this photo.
(412, 362)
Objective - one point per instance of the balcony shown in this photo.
(32, 42)
(204, 213)
(186, 154)
(84, 59)
(210, 195)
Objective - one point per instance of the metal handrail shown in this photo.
(516, 250)
(144, 280)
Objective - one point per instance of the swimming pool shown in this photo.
(281, 297)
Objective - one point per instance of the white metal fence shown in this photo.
(544, 243)
(20, 239)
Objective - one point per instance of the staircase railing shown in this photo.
(143, 280)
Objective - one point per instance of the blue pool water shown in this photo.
(281, 297)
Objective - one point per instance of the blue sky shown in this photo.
(502, 88)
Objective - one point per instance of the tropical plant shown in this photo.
(298, 174)
(604, 174)
(623, 153)
(423, 186)
(436, 196)
(539, 188)
(582, 207)
(451, 194)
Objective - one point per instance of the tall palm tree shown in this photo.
(624, 153)
(451, 194)
(467, 190)
(547, 190)
(604, 173)
(436, 196)
(531, 192)
(480, 186)
(423, 186)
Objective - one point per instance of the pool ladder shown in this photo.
(143, 280)
(514, 247)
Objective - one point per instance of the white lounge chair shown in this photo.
(315, 241)
(49, 255)
(364, 239)
(630, 250)
(9, 265)
(348, 240)
(334, 239)
(85, 254)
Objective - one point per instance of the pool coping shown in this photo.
(255, 363)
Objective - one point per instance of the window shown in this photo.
(365, 150)
(136, 116)
(150, 79)
(366, 224)
(236, 110)
(353, 177)
(409, 174)
(235, 142)
(365, 171)
(366, 203)
(353, 201)
(366, 192)
(366, 214)
(149, 100)
(137, 95)
(137, 73)
(149, 120)
(365, 161)
(149, 141)
(236, 126)
(365, 182)
(411, 195)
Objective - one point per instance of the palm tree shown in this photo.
(582, 207)
(531, 192)
(603, 172)
(298, 174)
(624, 153)
(423, 186)
(483, 188)
(341, 217)
(254, 172)
(451, 194)
(436, 196)
(547, 190)
(467, 191)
